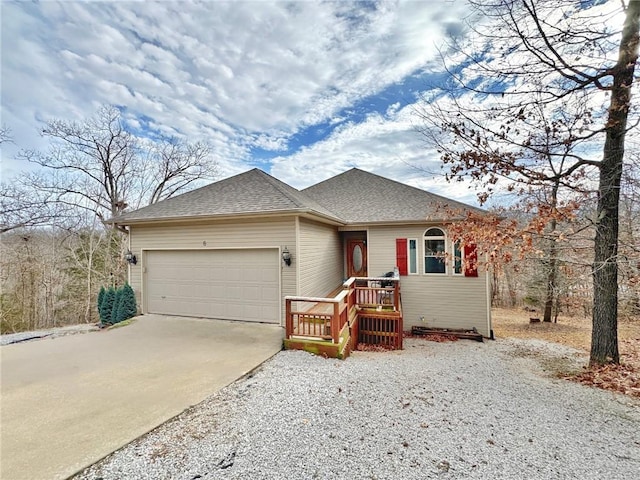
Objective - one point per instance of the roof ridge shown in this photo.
(331, 178)
(299, 198)
(280, 186)
(403, 185)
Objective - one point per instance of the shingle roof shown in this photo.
(353, 197)
(250, 192)
(360, 197)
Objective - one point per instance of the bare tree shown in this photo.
(93, 161)
(538, 64)
(5, 135)
(23, 206)
(100, 166)
(93, 170)
(172, 166)
(629, 243)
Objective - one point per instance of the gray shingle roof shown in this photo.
(359, 197)
(353, 197)
(249, 192)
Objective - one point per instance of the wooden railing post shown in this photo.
(335, 322)
(288, 320)
(396, 295)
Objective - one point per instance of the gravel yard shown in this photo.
(445, 410)
(9, 338)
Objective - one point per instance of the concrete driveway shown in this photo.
(69, 401)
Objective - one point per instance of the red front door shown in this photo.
(356, 258)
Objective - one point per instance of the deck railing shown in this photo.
(317, 317)
(370, 293)
(379, 312)
(326, 318)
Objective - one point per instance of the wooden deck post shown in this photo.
(335, 323)
(396, 295)
(288, 320)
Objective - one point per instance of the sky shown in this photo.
(303, 90)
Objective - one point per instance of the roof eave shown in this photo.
(230, 216)
(423, 221)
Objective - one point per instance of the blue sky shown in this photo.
(303, 90)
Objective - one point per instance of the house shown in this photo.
(245, 247)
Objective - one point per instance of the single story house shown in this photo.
(236, 248)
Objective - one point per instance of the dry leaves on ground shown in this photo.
(431, 337)
(576, 332)
(619, 378)
(434, 337)
(365, 347)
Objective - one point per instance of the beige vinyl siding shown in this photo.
(250, 233)
(320, 258)
(445, 300)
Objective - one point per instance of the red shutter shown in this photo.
(470, 260)
(401, 255)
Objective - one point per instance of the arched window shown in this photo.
(434, 251)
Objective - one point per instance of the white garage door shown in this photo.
(225, 284)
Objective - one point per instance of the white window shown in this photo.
(413, 255)
(458, 259)
(434, 251)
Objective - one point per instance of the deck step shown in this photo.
(319, 347)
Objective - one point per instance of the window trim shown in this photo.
(442, 237)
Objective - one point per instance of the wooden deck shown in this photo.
(360, 311)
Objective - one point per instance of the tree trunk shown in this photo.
(551, 283)
(89, 280)
(604, 337)
(552, 271)
(511, 299)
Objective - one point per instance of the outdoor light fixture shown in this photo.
(286, 257)
(130, 257)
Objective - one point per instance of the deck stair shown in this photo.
(360, 311)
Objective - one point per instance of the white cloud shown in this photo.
(388, 145)
(234, 73)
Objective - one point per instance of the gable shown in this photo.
(253, 192)
(361, 197)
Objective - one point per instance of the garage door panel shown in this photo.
(217, 272)
(268, 292)
(199, 274)
(235, 310)
(228, 284)
(233, 275)
(267, 275)
(252, 291)
(234, 293)
(253, 310)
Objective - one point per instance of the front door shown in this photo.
(356, 258)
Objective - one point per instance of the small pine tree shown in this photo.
(115, 306)
(101, 295)
(107, 305)
(127, 305)
(115, 318)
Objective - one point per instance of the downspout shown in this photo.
(128, 230)
(298, 255)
